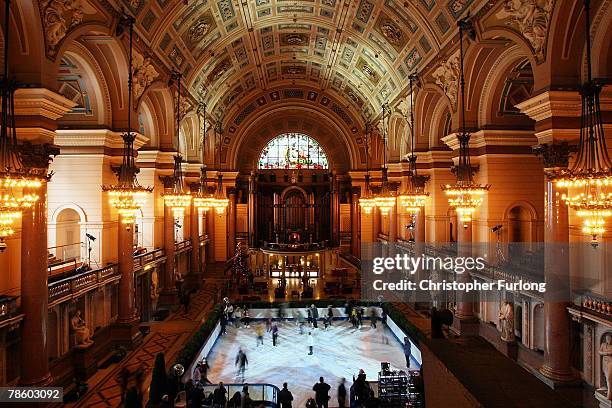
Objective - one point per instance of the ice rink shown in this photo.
(340, 351)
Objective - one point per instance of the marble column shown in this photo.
(355, 244)
(465, 308)
(210, 230)
(125, 331)
(34, 294)
(194, 234)
(393, 223)
(252, 210)
(169, 293)
(557, 346)
(231, 222)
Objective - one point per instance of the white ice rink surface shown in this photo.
(339, 351)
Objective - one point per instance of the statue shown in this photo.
(605, 350)
(80, 330)
(506, 320)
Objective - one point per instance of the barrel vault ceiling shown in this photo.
(360, 51)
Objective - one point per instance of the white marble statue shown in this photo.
(605, 350)
(506, 320)
(80, 330)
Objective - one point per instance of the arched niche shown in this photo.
(67, 234)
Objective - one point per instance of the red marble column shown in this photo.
(127, 310)
(419, 226)
(194, 233)
(231, 223)
(465, 308)
(34, 294)
(393, 223)
(210, 230)
(557, 348)
(169, 293)
(355, 242)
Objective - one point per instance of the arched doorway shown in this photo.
(520, 233)
(294, 211)
(67, 235)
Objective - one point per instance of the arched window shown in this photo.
(293, 151)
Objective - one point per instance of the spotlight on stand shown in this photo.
(497, 228)
(90, 237)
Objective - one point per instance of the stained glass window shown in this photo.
(293, 151)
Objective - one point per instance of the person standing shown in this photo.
(330, 314)
(321, 390)
(342, 393)
(373, 318)
(219, 397)
(310, 343)
(407, 350)
(274, 334)
(237, 317)
(285, 397)
(197, 375)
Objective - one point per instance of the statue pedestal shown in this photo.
(600, 395)
(84, 362)
(509, 349)
(465, 326)
(126, 333)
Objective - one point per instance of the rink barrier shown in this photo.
(263, 314)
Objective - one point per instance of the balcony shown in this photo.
(77, 284)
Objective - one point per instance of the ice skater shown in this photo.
(241, 362)
(407, 350)
(315, 315)
(330, 315)
(274, 334)
(373, 318)
(260, 333)
(310, 343)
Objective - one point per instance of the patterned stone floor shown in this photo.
(167, 336)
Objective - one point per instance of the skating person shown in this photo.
(274, 334)
(359, 317)
(354, 318)
(342, 393)
(315, 315)
(238, 317)
(241, 362)
(246, 318)
(310, 343)
(309, 311)
(407, 350)
(204, 371)
(268, 322)
(321, 390)
(373, 318)
(197, 375)
(285, 397)
(330, 315)
(300, 322)
(260, 333)
(223, 324)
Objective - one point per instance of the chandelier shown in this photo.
(465, 196)
(219, 202)
(415, 196)
(590, 177)
(203, 200)
(127, 196)
(385, 201)
(18, 183)
(178, 199)
(367, 203)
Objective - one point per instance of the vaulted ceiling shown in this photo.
(359, 51)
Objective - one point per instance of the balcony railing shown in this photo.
(148, 257)
(182, 246)
(74, 286)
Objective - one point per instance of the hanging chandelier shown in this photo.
(127, 196)
(178, 199)
(415, 196)
(590, 177)
(219, 202)
(465, 196)
(203, 200)
(367, 203)
(18, 183)
(385, 201)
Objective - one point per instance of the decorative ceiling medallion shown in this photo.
(199, 29)
(368, 71)
(293, 39)
(391, 32)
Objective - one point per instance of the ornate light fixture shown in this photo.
(178, 199)
(367, 202)
(591, 173)
(219, 201)
(385, 201)
(203, 200)
(415, 196)
(465, 196)
(18, 183)
(127, 196)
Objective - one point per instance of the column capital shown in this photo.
(41, 102)
(554, 156)
(549, 104)
(38, 156)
